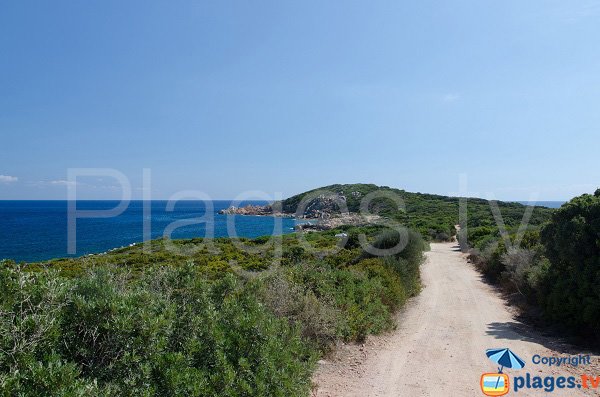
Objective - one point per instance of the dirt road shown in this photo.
(439, 346)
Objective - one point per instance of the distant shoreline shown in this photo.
(36, 230)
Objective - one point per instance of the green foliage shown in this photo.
(481, 236)
(555, 268)
(489, 260)
(171, 332)
(394, 292)
(572, 242)
(182, 319)
(30, 311)
(357, 298)
(434, 216)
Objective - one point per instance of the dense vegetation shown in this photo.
(196, 319)
(553, 270)
(572, 285)
(434, 216)
(241, 317)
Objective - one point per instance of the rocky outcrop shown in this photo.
(248, 210)
(338, 220)
(261, 210)
(324, 207)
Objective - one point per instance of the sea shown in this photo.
(33, 231)
(549, 204)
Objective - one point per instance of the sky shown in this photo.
(281, 97)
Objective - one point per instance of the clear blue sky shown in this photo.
(285, 96)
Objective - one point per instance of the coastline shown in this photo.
(37, 231)
(306, 224)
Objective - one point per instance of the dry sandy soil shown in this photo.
(438, 348)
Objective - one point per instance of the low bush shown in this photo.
(104, 335)
(519, 263)
(317, 316)
(163, 324)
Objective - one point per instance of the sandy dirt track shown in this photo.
(439, 346)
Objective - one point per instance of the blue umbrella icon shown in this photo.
(504, 358)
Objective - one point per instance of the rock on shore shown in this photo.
(262, 210)
(338, 220)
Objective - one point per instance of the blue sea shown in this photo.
(549, 204)
(37, 230)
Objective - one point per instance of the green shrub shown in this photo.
(171, 332)
(317, 316)
(481, 236)
(30, 310)
(356, 297)
(404, 264)
(394, 292)
(360, 298)
(489, 260)
(572, 242)
(518, 263)
(133, 323)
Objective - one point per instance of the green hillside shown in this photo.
(430, 214)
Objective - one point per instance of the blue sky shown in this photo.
(225, 97)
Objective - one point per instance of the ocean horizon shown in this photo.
(37, 230)
(548, 204)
